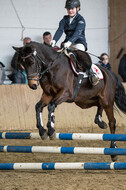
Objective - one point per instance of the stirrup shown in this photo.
(94, 80)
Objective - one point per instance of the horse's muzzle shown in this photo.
(33, 83)
(33, 86)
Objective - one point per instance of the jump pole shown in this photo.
(63, 150)
(64, 166)
(66, 136)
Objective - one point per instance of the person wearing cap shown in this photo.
(2, 73)
(73, 25)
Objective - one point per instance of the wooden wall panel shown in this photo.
(17, 111)
(117, 31)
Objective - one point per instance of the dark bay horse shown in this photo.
(52, 70)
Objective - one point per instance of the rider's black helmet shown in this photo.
(72, 4)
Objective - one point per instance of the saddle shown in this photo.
(81, 63)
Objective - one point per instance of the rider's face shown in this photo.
(72, 12)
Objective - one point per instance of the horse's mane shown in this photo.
(48, 51)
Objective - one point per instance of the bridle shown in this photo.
(36, 58)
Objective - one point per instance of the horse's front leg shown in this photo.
(98, 118)
(51, 121)
(40, 126)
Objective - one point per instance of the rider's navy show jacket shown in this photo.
(75, 32)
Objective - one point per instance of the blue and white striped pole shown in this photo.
(66, 136)
(63, 150)
(64, 166)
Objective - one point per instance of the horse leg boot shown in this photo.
(98, 118)
(51, 121)
(40, 126)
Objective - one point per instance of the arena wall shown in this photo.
(17, 111)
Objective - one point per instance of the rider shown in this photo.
(73, 25)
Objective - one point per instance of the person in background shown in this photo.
(18, 75)
(2, 73)
(26, 40)
(105, 61)
(47, 39)
(122, 68)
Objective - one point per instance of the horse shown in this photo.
(52, 70)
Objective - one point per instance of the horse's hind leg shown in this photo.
(42, 131)
(51, 121)
(98, 118)
(112, 125)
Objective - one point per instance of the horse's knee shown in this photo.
(38, 107)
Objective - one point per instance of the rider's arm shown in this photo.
(59, 31)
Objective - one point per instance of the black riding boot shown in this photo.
(92, 77)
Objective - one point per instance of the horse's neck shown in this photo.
(48, 55)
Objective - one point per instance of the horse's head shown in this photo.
(29, 60)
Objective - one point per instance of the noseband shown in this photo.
(35, 58)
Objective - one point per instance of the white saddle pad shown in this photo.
(96, 70)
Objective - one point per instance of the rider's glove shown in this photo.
(67, 45)
(53, 43)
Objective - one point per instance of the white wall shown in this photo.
(38, 16)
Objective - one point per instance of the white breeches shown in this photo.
(78, 46)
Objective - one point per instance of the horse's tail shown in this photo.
(120, 95)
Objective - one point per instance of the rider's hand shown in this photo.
(53, 43)
(67, 45)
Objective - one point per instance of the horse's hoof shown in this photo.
(44, 136)
(51, 133)
(114, 158)
(53, 136)
(43, 133)
(101, 124)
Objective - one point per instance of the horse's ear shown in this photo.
(17, 49)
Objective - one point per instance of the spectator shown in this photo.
(105, 61)
(122, 68)
(47, 39)
(2, 73)
(26, 40)
(18, 75)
